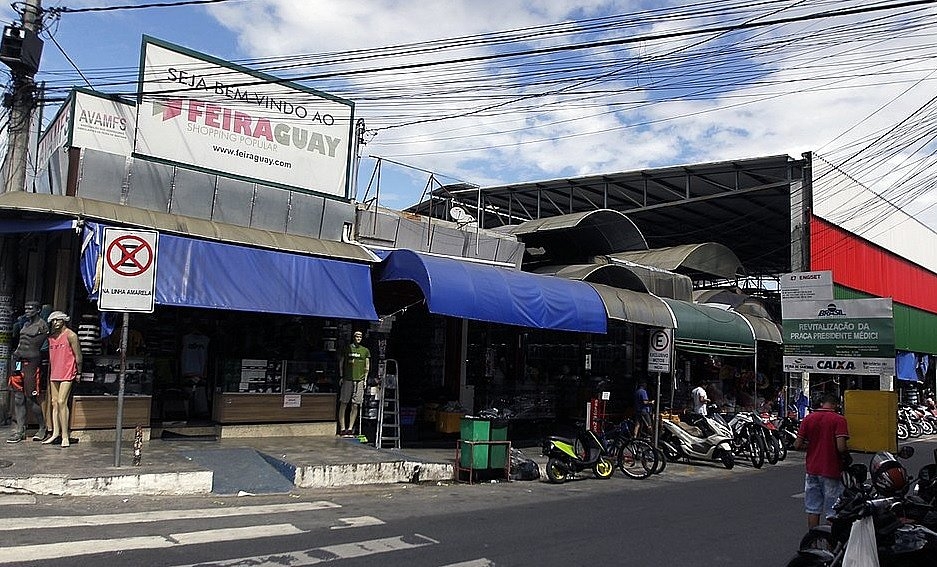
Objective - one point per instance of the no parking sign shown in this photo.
(128, 278)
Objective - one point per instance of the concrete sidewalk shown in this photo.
(227, 466)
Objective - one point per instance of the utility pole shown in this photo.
(22, 100)
(21, 50)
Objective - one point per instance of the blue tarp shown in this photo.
(483, 292)
(199, 273)
(906, 366)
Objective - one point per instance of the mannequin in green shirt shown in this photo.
(353, 370)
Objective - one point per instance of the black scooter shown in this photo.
(568, 457)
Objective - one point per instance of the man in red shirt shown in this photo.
(824, 433)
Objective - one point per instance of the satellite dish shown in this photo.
(459, 215)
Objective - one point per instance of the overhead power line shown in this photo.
(66, 10)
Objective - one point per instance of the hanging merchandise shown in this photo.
(89, 335)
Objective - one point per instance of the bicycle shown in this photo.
(635, 458)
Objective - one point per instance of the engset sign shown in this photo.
(212, 115)
(845, 336)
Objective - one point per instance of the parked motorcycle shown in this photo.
(787, 428)
(682, 440)
(746, 439)
(567, 457)
(900, 514)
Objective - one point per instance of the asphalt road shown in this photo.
(691, 515)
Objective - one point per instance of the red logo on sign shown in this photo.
(129, 256)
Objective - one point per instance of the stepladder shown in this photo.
(388, 409)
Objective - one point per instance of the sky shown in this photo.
(522, 90)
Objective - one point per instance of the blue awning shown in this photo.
(11, 226)
(214, 275)
(482, 292)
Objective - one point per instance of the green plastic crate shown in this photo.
(499, 453)
(474, 429)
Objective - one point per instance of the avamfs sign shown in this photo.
(213, 115)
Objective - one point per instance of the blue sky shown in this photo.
(838, 86)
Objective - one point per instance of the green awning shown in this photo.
(710, 330)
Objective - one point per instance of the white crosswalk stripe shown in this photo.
(161, 515)
(327, 553)
(44, 551)
(153, 538)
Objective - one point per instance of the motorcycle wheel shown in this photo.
(756, 451)
(806, 561)
(903, 433)
(817, 540)
(632, 460)
(782, 448)
(556, 471)
(772, 451)
(914, 430)
(604, 468)
(728, 459)
(927, 427)
(671, 453)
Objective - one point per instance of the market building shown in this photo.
(777, 215)
(527, 300)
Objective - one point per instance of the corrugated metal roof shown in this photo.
(709, 258)
(124, 215)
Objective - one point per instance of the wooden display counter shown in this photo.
(100, 412)
(273, 408)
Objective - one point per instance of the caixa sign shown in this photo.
(844, 365)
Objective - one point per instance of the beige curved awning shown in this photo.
(635, 307)
(764, 329)
(570, 238)
(623, 293)
(709, 258)
(90, 209)
(606, 274)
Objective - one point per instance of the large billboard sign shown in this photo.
(844, 336)
(215, 116)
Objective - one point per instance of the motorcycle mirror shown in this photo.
(906, 452)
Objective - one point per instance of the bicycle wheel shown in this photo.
(632, 461)
(654, 456)
(660, 461)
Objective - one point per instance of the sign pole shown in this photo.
(660, 360)
(657, 414)
(124, 328)
(128, 284)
